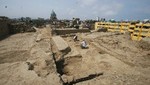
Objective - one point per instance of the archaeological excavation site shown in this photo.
(76, 51)
(53, 55)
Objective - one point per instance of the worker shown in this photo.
(75, 38)
(84, 44)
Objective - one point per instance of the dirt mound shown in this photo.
(145, 44)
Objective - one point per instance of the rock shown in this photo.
(60, 43)
(64, 78)
(39, 38)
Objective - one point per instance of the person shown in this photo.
(83, 44)
(75, 38)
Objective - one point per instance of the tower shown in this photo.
(53, 16)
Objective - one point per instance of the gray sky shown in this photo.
(84, 9)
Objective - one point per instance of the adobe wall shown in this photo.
(3, 27)
(68, 31)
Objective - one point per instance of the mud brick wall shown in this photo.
(68, 31)
(3, 28)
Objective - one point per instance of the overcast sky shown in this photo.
(84, 9)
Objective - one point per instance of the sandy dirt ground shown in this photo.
(111, 59)
(121, 60)
(25, 59)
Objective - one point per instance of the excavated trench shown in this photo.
(59, 65)
(61, 69)
(69, 66)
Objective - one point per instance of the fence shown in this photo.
(137, 30)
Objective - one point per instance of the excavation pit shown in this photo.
(72, 64)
